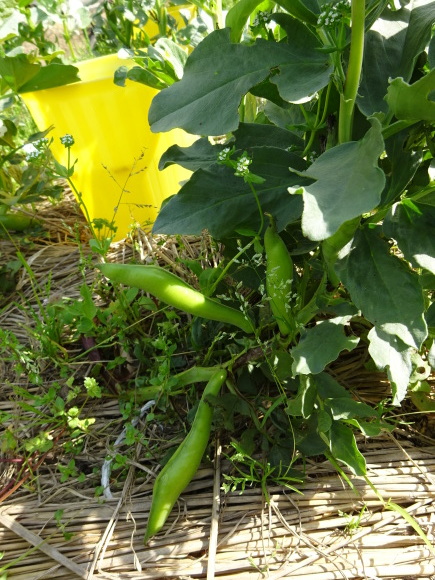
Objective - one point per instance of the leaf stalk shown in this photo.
(348, 97)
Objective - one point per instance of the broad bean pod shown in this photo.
(16, 222)
(279, 278)
(182, 466)
(172, 290)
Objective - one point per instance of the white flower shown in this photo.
(243, 165)
(223, 155)
(31, 151)
(67, 140)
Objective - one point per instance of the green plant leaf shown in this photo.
(218, 74)
(238, 15)
(52, 75)
(347, 408)
(412, 522)
(303, 404)
(343, 447)
(201, 154)
(324, 421)
(299, 10)
(369, 428)
(383, 287)
(23, 76)
(221, 202)
(431, 53)
(17, 70)
(321, 345)
(266, 136)
(393, 355)
(394, 43)
(403, 165)
(412, 101)
(412, 226)
(328, 387)
(348, 183)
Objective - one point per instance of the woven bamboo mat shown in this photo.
(50, 529)
(307, 536)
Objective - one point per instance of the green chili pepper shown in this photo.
(170, 289)
(182, 466)
(279, 278)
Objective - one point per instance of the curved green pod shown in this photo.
(172, 290)
(279, 278)
(16, 222)
(182, 466)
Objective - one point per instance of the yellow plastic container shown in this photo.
(117, 154)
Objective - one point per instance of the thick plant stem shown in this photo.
(347, 101)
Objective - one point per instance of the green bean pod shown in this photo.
(172, 290)
(16, 222)
(182, 466)
(279, 278)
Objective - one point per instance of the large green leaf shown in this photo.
(307, 66)
(412, 226)
(343, 447)
(17, 70)
(303, 404)
(299, 9)
(403, 164)
(391, 49)
(23, 76)
(410, 102)
(266, 135)
(328, 387)
(348, 183)
(217, 200)
(202, 153)
(218, 74)
(383, 287)
(321, 345)
(347, 408)
(52, 75)
(390, 353)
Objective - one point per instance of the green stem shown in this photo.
(228, 266)
(260, 211)
(327, 40)
(67, 37)
(348, 98)
(319, 122)
(397, 127)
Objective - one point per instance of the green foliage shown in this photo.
(209, 85)
(340, 152)
(26, 176)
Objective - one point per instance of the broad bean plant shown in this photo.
(315, 172)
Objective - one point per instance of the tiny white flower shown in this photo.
(67, 140)
(31, 151)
